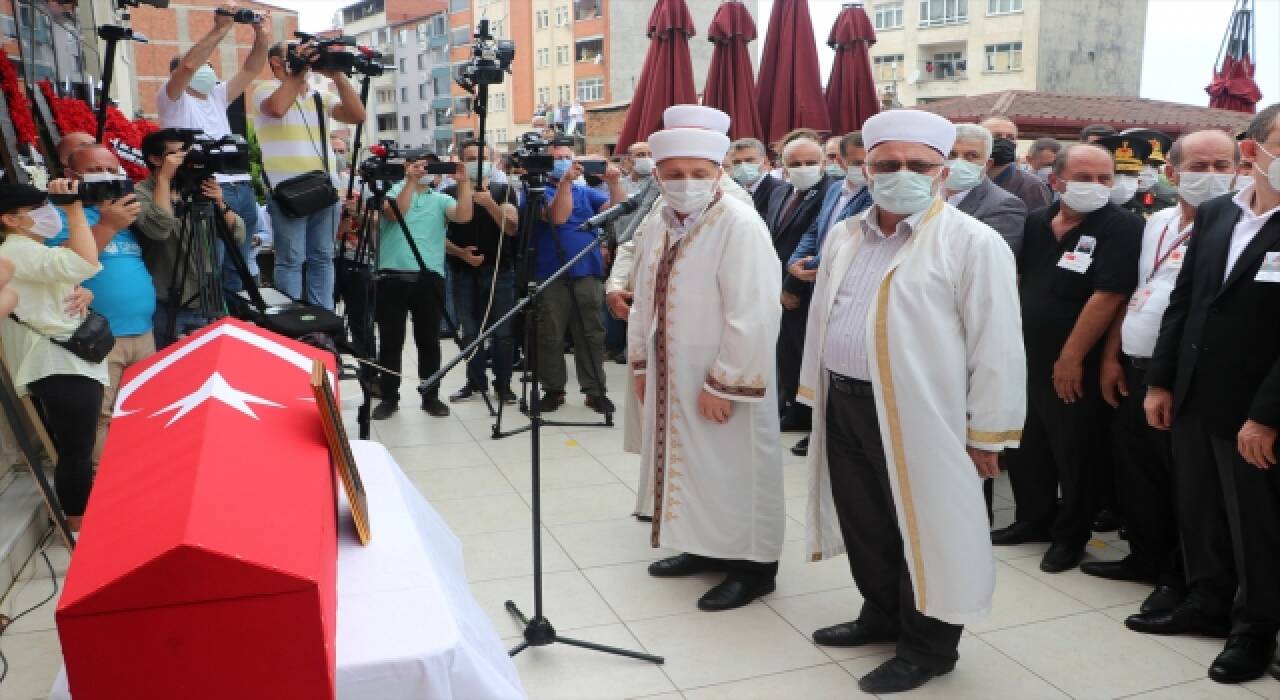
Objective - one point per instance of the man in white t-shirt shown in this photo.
(194, 99)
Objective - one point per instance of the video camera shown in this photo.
(533, 157)
(241, 15)
(384, 165)
(490, 58)
(96, 188)
(329, 54)
(369, 62)
(208, 156)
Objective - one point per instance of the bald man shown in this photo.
(71, 142)
(1004, 170)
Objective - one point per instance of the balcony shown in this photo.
(438, 41)
(443, 133)
(442, 102)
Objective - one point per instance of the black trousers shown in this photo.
(869, 524)
(1253, 514)
(1144, 483)
(790, 357)
(1200, 487)
(399, 295)
(1062, 448)
(69, 406)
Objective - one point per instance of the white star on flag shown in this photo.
(215, 387)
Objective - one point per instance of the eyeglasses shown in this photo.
(922, 167)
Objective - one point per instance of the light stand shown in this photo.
(538, 630)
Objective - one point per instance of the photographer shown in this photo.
(574, 302)
(403, 288)
(160, 223)
(294, 140)
(67, 388)
(484, 266)
(194, 99)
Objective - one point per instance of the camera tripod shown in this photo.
(197, 258)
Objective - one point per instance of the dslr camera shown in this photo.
(330, 54)
(241, 15)
(490, 58)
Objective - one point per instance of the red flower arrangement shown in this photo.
(71, 114)
(19, 107)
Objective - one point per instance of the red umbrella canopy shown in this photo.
(790, 80)
(731, 81)
(851, 91)
(667, 76)
(1233, 86)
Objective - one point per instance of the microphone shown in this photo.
(612, 214)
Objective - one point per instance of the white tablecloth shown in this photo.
(407, 624)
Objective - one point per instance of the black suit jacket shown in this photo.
(788, 231)
(1219, 346)
(764, 191)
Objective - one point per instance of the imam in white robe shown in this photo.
(944, 339)
(705, 316)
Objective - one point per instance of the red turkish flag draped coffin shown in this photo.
(207, 563)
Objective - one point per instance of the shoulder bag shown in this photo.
(91, 342)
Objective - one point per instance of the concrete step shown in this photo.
(23, 522)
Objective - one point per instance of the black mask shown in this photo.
(1004, 151)
(593, 180)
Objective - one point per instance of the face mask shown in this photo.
(1004, 151)
(804, 177)
(688, 196)
(856, 177)
(203, 80)
(1198, 188)
(1124, 188)
(1043, 173)
(1147, 179)
(47, 223)
(834, 170)
(643, 166)
(471, 169)
(746, 173)
(427, 180)
(1243, 182)
(902, 192)
(964, 175)
(341, 161)
(561, 167)
(1086, 197)
(1273, 169)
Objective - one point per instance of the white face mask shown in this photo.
(1124, 188)
(203, 80)
(1243, 182)
(856, 177)
(1147, 179)
(47, 223)
(1198, 188)
(964, 175)
(1273, 169)
(427, 180)
(834, 170)
(1043, 173)
(746, 173)
(805, 176)
(903, 192)
(1086, 197)
(471, 169)
(688, 196)
(642, 166)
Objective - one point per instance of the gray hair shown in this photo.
(748, 142)
(1045, 144)
(793, 145)
(975, 132)
(1260, 128)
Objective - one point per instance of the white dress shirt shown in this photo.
(1246, 228)
(1142, 325)
(845, 351)
(847, 192)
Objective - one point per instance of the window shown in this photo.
(442, 115)
(591, 89)
(422, 91)
(544, 95)
(562, 55)
(459, 36)
(405, 122)
(542, 19)
(888, 16)
(544, 58)
(1003, 58)
(562, 16)
(386, 96)
(404, 36)
(439, 86)
(459, 6)
(586, 9)
(422, 61)
(498, 102)
(887, 68)
(1003, 7)
(589, 50)
(935, 13)
(404, 67)
(436, 26)
(422, 32)
(498, 28)
(462, 106)
(947, 65)
(404, 94)
(563, 92)
(424, 120)
(386, 122)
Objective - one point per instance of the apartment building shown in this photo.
(928, 50)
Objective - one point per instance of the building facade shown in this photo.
(929, 50)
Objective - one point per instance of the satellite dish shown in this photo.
(915, 76)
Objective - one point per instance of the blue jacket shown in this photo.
(811, 243)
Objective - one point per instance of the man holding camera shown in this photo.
(160, 223)
(574, 302)
(194, 99)
(404, 287)
(290, 119)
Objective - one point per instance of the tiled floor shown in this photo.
(1047, 637)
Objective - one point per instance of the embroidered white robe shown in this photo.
(944, 339)
(705, 316)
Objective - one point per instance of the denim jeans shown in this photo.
(306, 240)
(187, 321)
(471, 296)
(239, 196)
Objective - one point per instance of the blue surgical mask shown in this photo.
(203, 80)
(964, 175)
(834, 170)
(561, 167)
(471, 169)
(902, 192)
(746, 173)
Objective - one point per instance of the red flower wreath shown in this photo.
(71, 114)
(19, 107)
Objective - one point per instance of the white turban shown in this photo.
(914, 125)
(691, 131)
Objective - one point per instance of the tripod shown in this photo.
(538, 630)
(197, 260)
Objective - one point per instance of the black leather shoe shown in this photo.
(1184, 619)
(801, 449)
(464, 393)
(1123, 570)
(1106, 521)
(385, 409)
(1245, 658)
(734, 592)
(505, 395)
(434, 407)
(851, 634)
(897, 675)
(600, 404)
(788, 424)
(550, 401)
(1163, 599)
(1061, 557)
(1275, 670)
(1019, 533)
(681, 565)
